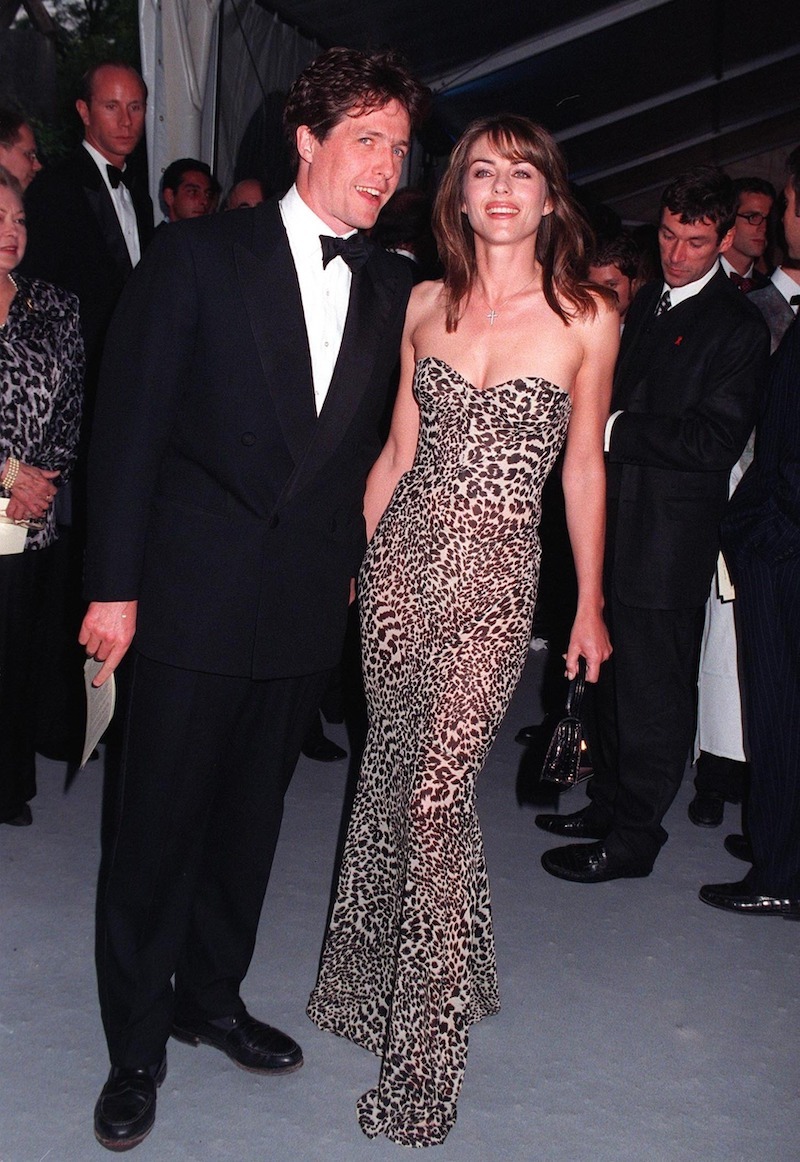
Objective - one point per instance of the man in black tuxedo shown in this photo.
(692, 355)
(761, 541)
(244, 378)
(89, 220)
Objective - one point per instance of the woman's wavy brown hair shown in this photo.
(564, 238)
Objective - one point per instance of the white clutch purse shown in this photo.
(12, 535)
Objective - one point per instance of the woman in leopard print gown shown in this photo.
(501, 361)
(41, 390)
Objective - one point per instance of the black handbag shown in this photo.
(562, 764)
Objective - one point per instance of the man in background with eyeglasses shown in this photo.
(18, 148)
(755, 199)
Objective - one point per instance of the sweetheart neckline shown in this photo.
(492, 386)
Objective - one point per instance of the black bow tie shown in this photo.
(355, 250)
(116, 175)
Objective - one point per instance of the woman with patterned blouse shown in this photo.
(41, 390)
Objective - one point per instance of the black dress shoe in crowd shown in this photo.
(528, 734)
(251, 1044)
(741, 898)
(23, 818)
(324, 751)
(588, 863)
(706, 809)
(578, 825)
(739, 847)
(126, 1108)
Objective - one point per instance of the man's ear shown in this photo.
(83, 111)
(305, 142)
(727, 240)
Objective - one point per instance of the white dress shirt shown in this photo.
(122, 202)
(325, 293)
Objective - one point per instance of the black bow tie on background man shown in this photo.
(116, 175)
(355, 250)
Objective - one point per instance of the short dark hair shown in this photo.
(702, 194)
(86, 87)
(753, 185)
(620, 251)
(344, 79)
(176, 170)
(11, 121)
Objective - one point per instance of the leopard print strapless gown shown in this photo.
(446, 593)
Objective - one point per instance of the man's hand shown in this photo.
(106, 634)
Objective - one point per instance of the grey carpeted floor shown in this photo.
(638, 1025)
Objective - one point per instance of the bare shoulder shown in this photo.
(600, 327)
(425, 297)
(425, 307)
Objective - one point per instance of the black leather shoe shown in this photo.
(23, 818)
(588, 863)
(250, 1043)
(578, 825)
(126, 1108)
(739, 847)
(528, 734)
(706, 809)
(741, 898)
(325, 751)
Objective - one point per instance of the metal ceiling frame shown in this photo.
(536, 45)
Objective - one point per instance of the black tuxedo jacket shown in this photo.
(218, 498)
(763, 517)
(75, 241)
(687, 382)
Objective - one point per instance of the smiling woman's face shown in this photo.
(13, 235)
(504, 198)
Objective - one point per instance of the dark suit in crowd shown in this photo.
(75, 241)
(777, 313)
(761, 541)
(686, 383)
(234, 514)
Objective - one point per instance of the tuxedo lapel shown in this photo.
(99, 200)
(271, 295)
(372, 296)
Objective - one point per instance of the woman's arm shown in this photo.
(60, 442)
(401, 446)
(584, 484)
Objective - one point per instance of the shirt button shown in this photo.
(248, 439)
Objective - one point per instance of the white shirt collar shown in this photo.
(679, 294)
(303, 226)
(784, 283)
(727, 267)
(101, 163)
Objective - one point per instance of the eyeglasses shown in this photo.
(753, 218)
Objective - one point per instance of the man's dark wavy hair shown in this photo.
(341, 81)
(11, 121)
(702, 194)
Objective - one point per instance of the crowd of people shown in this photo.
(193, 442)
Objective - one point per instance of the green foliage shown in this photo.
(91, 31)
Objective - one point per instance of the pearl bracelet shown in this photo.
(11, 473)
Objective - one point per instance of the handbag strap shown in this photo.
(576, 689)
